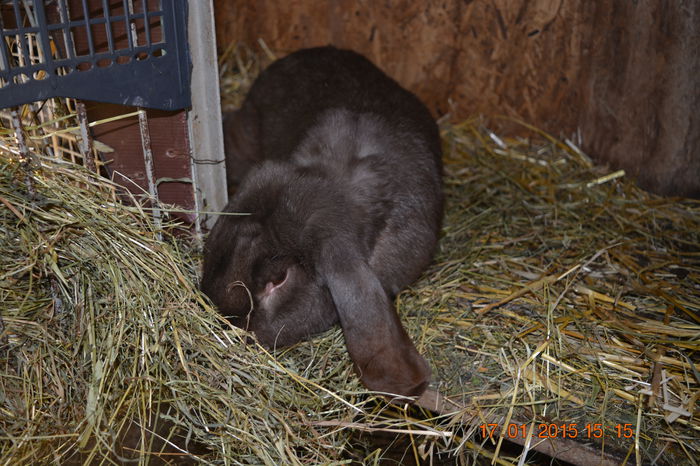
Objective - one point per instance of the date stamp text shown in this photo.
(570, 430)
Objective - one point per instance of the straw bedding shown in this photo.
(559, 295)
(101, 321)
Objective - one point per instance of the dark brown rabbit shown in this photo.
(339, 169)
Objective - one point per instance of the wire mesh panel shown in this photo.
(129, 52)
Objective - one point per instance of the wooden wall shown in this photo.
(623, 73)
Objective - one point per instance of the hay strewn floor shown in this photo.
(558, 296)
(563, 296)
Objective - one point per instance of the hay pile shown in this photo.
(101, 322)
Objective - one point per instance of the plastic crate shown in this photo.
(129, 52)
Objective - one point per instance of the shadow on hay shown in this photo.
(159, 442)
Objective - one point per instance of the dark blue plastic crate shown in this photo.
(129, 52)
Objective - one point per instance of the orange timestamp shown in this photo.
(554, 430)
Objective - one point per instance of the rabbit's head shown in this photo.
(263, 286)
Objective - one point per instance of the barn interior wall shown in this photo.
(621, 75)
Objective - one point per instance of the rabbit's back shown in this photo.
(291, 94)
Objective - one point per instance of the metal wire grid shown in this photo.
(44, 125)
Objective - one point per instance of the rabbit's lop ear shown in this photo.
(384, 356)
